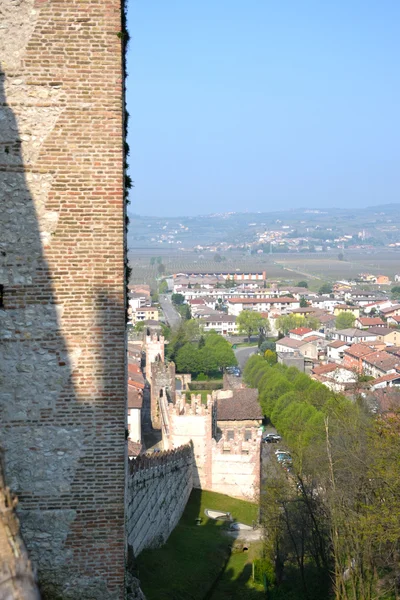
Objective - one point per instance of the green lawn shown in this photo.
(187, 567)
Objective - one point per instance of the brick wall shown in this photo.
(62, 371)
(159, 487)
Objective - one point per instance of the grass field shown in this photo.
(287, 268)
(188, 566)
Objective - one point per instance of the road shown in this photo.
(242, 354)
(172, 317)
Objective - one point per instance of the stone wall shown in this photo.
(162, 385)
(236, 465)
(192, 422)
(227, 466)
(158, 490)
(62, 377)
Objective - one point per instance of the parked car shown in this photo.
(272, 438)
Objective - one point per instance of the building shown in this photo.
(353, 356)
(344, 308)
(240, 409)
(281, 305)
(62, 358)
(387, 335)
(306, 348)
(146, 313)
(367, 322)
(354, 335)
(380, 363)
(221, 323)
(335, 350)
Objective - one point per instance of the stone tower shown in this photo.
(62, 374)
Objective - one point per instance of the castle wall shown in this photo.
(193, 422)
(162, 385)
(62, 379)
(159, 487)
(236, 466)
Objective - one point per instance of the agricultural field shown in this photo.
(286, 268)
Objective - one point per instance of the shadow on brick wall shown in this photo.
(60, 410)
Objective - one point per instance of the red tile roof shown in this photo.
(300, 330)
(358, 350)
(242, 406)
(282, 300)
(135, 397)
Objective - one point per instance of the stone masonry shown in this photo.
(62, 376)
(158, 490)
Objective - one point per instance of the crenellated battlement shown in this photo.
(149, 461)
(194, 407)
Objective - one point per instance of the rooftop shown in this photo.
(242, 406)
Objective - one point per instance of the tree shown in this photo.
(138, 327)
(344, 320)
(302, 283)
(287, 322)
(396, 292)
(249, 322)
(325, 288)
(178, 299)
(161, 269)
(217, 258)
(159, 260)
(163, 287)
(340, 256)
(303, 302)
(267, 346)
(152, 260)
(270, 357)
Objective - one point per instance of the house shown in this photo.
(352, 358)
(335, 350)
(237, 409)
(354, 335)
(142, 289)
(282, 305)
(391, 311)
(367, 322)
(306, 349)
(145, 313)
(336, 378)
(393, 320)
(377, 306)
(390, 380)
(221, 323)
(340, 308)
(387, 335)
(134, 409)
(327, 323)
(380, 363)
(299, 332)
(292, 359)
(382, 280)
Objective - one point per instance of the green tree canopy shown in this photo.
(250, 322)
(302, 283)
(344, 320)
(178, 299)
(325, 288)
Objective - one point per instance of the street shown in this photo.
(172, 317)
(242, 354)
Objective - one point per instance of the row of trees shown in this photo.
(332, 526)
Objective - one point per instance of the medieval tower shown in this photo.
(62, 374)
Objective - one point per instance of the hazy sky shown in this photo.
(263, 104)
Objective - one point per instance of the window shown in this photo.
(230, 434)
(247, 435)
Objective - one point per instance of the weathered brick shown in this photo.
(62, 375)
